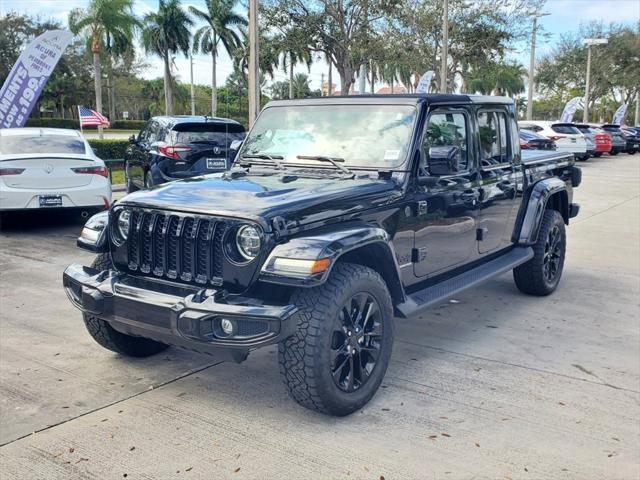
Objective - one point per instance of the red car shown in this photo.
(601, 138)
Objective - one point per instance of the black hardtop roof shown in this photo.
(179, 119)
(391, 99)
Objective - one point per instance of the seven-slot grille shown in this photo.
(186, 248)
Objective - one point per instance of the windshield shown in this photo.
(372, 136)
(18, 144)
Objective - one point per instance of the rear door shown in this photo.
(445, 229)
(139, 159)
(498, 186)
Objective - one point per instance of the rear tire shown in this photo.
(597, 154)
(540, 275)
(109, 338)
(613, 153)
(337, 358)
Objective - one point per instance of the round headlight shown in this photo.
(248, 241)
(123, 224)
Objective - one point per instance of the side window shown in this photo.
(446, 133)
(144, 133)
(152, 135)
(494, 138)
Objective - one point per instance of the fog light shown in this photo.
(227, 326)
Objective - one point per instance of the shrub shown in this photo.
(108, 149)
(53, 123)
(128, 124)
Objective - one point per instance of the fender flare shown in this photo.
(335, 244)
(538, 197)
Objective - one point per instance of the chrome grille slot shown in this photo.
(188, 248)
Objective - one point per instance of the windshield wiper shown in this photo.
(270, 160)
(332, 160)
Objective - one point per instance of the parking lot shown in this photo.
(494, 384)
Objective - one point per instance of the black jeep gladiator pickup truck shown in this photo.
(338, 215)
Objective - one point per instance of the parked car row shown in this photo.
(584, 140)
(56, 168)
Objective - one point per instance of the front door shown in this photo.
(448, 199)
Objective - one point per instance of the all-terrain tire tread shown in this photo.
(296, 353)
(528, 276)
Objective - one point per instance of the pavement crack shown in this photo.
(155, 387)
(534, 369)
(583, 219)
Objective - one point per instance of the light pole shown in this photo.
(589, 42)
(193, 97)
(254, 73)
(445, 47)
(532, 64)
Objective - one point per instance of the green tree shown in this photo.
(342, 30)
(293, 47)
(103, 23)
(499, 78)
(220, 21)
(166, 33)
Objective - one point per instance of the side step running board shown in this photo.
(443, 291)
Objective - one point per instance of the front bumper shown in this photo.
(176, 314)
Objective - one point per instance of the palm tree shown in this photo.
(498, 79)
(220, 20)
(166, 32)
(101, 21)
(293, 45)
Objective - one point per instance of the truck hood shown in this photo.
(298, 200)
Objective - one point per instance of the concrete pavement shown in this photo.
(494, 385)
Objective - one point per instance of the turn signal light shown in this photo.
(11, 171)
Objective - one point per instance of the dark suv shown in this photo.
(177, 147)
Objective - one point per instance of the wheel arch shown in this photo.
(365, 245)
(547, 194)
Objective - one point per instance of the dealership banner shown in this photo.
(27, 78)
(425, 82)
(570, 109)
(618, 117)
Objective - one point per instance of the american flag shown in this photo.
(90, 117)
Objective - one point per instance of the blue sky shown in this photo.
(565, 16)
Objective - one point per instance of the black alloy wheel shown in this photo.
(356, 342)
(552, 254)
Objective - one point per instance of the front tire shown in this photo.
(108, 337)
(337, 358)
(540, 275)
(597, 154)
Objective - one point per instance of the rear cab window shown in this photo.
(41, 144)
(211, 133)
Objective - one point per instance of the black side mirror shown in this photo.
(443, 160)
(133, 140)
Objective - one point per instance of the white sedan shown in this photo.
(566, 136)
(50, 168)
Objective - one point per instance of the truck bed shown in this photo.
(532, 157)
